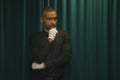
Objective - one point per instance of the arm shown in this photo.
(40, 48)
(64, 58)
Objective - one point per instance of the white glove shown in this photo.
(52, 33)
(37, 66)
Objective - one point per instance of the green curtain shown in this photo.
(94, 26)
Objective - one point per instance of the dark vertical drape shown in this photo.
(94, 26)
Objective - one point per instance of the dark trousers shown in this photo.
(48, 78)
(52, 78)
(40, 76)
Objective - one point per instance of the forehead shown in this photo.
(49, 14)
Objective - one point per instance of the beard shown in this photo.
(52, 26)
(49, 27)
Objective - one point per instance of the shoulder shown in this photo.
(36, 35)
(63, 32)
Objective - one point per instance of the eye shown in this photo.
(55, 18)
(52, 19)
(49, 18)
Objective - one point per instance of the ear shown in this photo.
(41, 19)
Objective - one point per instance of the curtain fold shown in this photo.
(94, 26)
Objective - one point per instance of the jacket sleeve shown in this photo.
(65, 56)
(40, 48)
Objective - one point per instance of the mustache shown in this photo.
(53, 25)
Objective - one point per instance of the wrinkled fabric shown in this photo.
(55, 55)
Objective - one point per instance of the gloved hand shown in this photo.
(37, 66)
(52, 33)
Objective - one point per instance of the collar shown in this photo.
(45, 33)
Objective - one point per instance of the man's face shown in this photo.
(49, 19)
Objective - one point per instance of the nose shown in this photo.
(53, 21)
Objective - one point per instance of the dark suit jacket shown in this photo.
(55, 55)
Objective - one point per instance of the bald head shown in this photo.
(47, 9)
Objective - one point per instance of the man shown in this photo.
(51, 49)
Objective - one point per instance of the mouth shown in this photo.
(52, 26)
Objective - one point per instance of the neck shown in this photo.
(46, 30)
